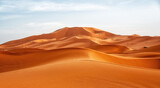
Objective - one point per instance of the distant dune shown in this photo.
(149, 49)
(81, 57)
(147, 52)
(81, 37)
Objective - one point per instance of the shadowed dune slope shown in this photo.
(149, 49)
(19, 51)
(148, 52)
(70, 43)
(15, 61)
(140, 42)
(111, 48)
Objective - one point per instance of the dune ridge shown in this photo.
(61, 36)
(11, 60)
(81, 57)
(77, 70)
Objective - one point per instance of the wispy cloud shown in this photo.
(56, 25)
(48, 6)
(27, 17)
(6, 7)
(6, 17)
(43, 27)
(44, 24)
(126, 2)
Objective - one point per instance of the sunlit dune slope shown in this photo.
(15, 61)
(149, 55)
(62, 34)
(81, 57)
(80, 74)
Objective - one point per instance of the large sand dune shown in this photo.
(76, 68)
(81, 57)
(16, 60)
(81, 74)
(85, 35)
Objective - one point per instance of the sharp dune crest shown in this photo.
(22, 58)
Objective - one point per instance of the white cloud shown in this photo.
(49, 6)
(6, 7)
(126, 2)
(44, 24)
(6, 17)
(43, 27)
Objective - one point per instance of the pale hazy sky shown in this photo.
(22, 18)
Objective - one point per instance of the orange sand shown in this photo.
(81, 57)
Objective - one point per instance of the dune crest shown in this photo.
(22, 58)
(88, 67)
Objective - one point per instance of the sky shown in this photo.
(23, 18)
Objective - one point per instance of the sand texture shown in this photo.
(81, 57)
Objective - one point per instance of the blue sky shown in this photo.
(22, 18)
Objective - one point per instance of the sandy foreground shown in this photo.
(80, 57)
(77, 68)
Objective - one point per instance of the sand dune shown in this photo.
(111, 48)
(19, 51)
(62, 33)
(78, 74)
(149, 49)
(140, 42)
(65, 35)
(149, 55)
(17, 60)
(64, 68)
(81, 57)
(147, 52)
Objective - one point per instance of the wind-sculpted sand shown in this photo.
(81, 37)
(80, 57)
